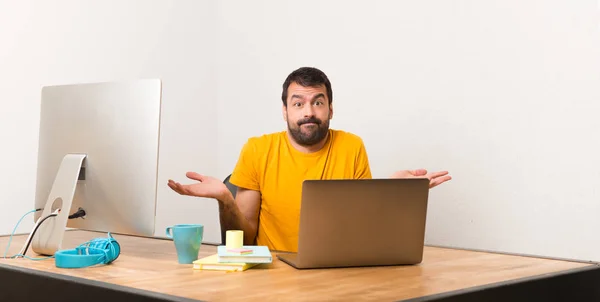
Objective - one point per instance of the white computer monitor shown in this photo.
(98, 150)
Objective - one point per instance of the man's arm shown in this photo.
(241, 213)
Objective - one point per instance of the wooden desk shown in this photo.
(149, 268)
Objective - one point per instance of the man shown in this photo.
(271, 168)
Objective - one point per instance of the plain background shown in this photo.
(503, 94)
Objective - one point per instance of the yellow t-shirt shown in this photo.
(271, 165)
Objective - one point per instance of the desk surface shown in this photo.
(151, 264)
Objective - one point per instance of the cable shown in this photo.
(24, 251)
(15, 229)
(31, 258)
(80, 213)
(30, 237)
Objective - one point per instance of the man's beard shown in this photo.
(311, 137)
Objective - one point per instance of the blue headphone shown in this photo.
(93, 252)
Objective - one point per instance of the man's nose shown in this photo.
(309, 111)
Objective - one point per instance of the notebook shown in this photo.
(260, 254)
(212, 263)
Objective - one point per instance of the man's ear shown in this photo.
(330, 111)
(284, 112)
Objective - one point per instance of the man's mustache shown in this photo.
(312, 120)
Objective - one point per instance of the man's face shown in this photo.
(307, 113)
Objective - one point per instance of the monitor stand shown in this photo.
(49, 235)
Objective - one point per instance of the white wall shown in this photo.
(504, 94)
(501, 93)
(58, 42)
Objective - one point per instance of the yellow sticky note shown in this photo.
(234, 239)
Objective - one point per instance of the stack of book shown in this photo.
(238, 259)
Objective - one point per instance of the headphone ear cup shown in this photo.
(116, 249)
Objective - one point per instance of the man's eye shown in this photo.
(297, 104)
(319, 103)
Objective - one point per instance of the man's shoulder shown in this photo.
(347, 138)
(265, 140)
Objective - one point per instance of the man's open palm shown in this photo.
(435, 178)
(206, 186)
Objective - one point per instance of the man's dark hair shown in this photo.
(307, 77)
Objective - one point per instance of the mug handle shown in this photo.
(168, 232)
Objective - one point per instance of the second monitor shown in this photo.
(98, 151)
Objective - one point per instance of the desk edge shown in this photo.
(513, 254)
(505, 284)
(94, 283)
